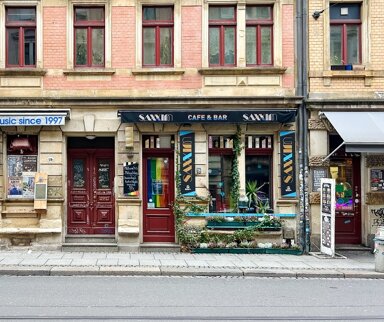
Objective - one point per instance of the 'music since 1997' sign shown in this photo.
(31, 120)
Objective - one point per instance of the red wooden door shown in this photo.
(158, 194)
(90, 191)
(346, 172)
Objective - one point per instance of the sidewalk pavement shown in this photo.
(25, 262)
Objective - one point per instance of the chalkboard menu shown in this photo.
(131, 179)
(377, 179)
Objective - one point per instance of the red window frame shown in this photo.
(259, 23)
(221, 24)
(89, 25)
(157, 25)
(22, 25)
(344, 45)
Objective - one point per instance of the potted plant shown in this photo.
(254, 193)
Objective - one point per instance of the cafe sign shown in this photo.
(203, 116)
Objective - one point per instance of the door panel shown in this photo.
(90, 191)
(346, 172)
(159, 222)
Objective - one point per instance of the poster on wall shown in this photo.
(131, 179)
(187, 163)
(287, 164)
(377, 179)
(327, 218)
(21, 175)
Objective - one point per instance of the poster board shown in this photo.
(131, 179)
(377, 179)
(40, 191)
(317, 175)
(327, 209)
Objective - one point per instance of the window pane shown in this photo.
(219, 13)
(86, 14)
(353, 44)
(266, 39)
(103, 170)
(229, 41)
(220, 182)
(149, 46)
(335, 42)
(259, 13)
(165, 46)
(81, 46)
(13, 46)
(29, 47)
(158, 182)
(257, 169)
(251, 45)
(21, 14)
(97, 47)
(78, 171)
(157, 14)
(214, 46)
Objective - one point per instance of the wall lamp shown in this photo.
(317, 14)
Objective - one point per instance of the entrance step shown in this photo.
(159, 248)
(90, 244)
(352, 247)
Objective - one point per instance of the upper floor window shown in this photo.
(20, 37)
(158, 36)
(222, 36)
(345, 34)
(89, 27)
(259, 35)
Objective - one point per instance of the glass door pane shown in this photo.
(342, 172)
(158, 182)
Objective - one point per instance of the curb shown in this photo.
(184, 271)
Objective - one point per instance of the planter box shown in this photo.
(269, 236)
(225, 225)
(283, 251)
(280, 251)
(210, 250)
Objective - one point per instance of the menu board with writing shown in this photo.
(377, 179)
(131, 179)
(327, 207)
(317, 175)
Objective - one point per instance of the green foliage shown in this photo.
(235, 188)
(252, 190)
(269, 221)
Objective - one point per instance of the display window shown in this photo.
(22, 166)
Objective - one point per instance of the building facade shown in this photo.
(345, 122)
(100, 98)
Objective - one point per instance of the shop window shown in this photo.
(158, 142)
(220, 172)
(21, 165)
(258, 172)
(20, 37)
(259, 35)
(89, 35)
(222, 36)
(157, 36)
(345, 34)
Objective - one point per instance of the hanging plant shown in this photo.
(235, 188)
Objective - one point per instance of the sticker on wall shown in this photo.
(187, 163)
(287, 164)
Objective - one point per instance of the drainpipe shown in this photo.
(302, 90)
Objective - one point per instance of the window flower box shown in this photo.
(279, 251)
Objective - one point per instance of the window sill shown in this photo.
(22, 72)
(158, 71)
(89, 72)
(242, 70)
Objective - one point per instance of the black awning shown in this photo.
(204, 116)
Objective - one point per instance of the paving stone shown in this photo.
(173, 262)
(108, 262)
(25, 271)
(322, 273)
(260, 272)
(202, 271)
(59, 262)
(72, 271)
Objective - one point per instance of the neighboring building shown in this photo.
(99, 94)
(346, 115)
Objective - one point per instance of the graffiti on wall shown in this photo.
(378, 219)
